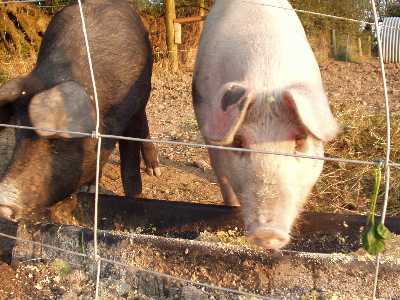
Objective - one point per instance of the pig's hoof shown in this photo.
(7, 213)
(153, 170)
(151, 161)
(270, 238)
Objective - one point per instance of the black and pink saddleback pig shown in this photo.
(45, 167)
(257, 85)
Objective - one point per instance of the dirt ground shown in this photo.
(186, 173)
(59, 279)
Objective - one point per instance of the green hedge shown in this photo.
(354, 9)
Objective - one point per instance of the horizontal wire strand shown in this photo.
(249, 2)
(377, 162)
(244, 1)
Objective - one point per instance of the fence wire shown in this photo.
(97, 135)
(244, 1)
(377, 162)
(302, 11)
(388, 142)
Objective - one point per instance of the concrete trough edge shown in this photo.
(286, 274)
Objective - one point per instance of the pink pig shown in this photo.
(257, 85)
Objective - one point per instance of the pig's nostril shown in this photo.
(270, 238)
(6, 213)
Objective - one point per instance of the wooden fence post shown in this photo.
(202, 13)
(170, 16)
(360, 51)
(369, 46)
(334, 49)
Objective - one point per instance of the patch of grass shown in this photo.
(3, 77)
(233, 237)
(61, 267)
(104, 294)
(12, 66)
(345, 56)
(348, 186)
(315, 295)
(392, 247)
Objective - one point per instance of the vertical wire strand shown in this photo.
(98, 278)
(98, 156)
(388, 141)
(96, 197)
(90, 67)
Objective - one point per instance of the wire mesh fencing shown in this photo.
(385, 162)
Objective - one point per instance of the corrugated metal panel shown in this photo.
(390, 35)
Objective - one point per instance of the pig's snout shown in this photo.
(269, 238)
(7, 213)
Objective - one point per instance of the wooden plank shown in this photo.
(6, 244)
(178, 33)
(325, 232)
(193, 19)
(170, 215)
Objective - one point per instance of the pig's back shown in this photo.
(120, 51)
(260, 44)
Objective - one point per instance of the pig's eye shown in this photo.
(301, 143)
(239, 142)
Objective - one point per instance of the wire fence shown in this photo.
(385, 162)
(254, 2)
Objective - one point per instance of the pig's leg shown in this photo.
(130, 162)
(91, 187)
(227, 192)
(149, 150)
(130, 155)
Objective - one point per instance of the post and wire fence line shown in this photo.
(315, 13)
(385, 163)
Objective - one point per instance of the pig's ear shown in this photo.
(312, 108)
(65, 107)
(227, 113)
